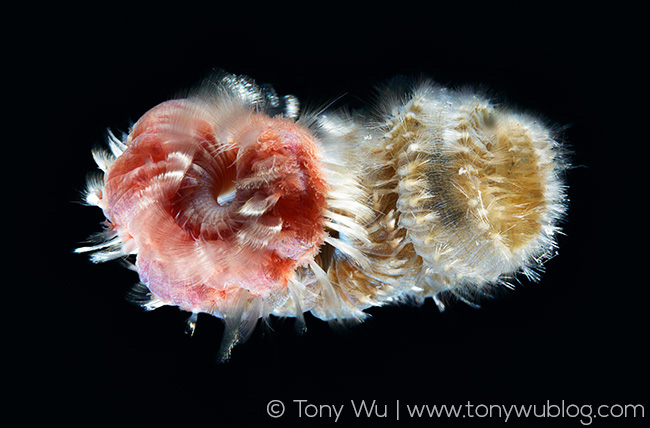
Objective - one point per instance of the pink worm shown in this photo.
(215, 209)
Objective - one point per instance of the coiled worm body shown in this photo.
(233, 205)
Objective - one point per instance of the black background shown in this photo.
(87, 355)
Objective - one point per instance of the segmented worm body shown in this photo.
(468, 194)
(232, 205)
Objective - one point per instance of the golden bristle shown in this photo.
(473, 191)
